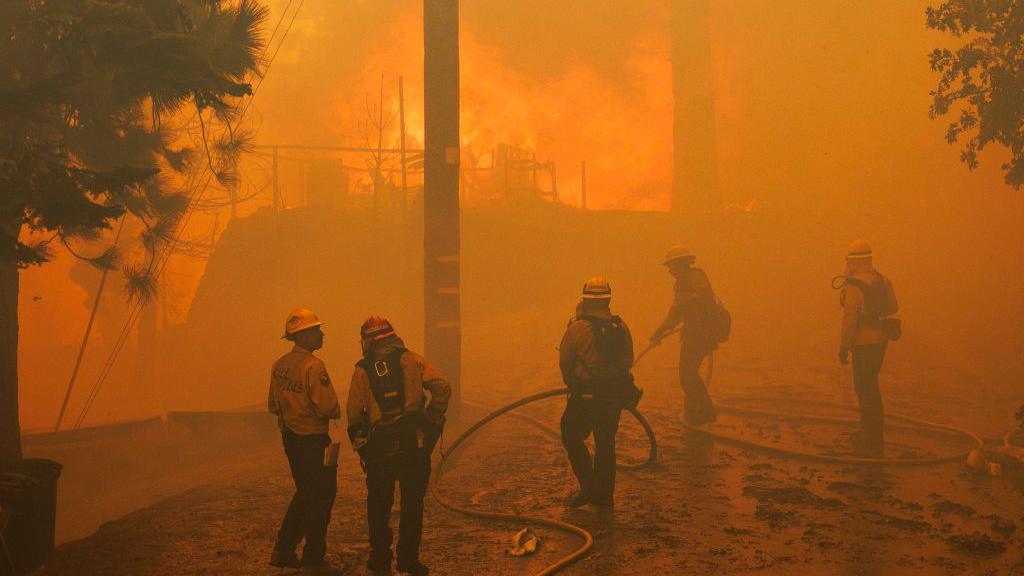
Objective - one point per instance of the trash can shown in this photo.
(28, 498)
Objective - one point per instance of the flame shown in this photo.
(618, 121)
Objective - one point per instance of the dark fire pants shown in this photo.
(867, 363)
(412, 474)
(697, 406)
(582, 417)
(315, 488)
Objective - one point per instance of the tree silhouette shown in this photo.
(89, 92)
(983, 78)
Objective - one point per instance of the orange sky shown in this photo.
(821, 109)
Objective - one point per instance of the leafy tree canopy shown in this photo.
(983, 78)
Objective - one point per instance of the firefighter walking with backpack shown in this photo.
(595, 358)
(869, 303)
(394, 427)
(705, 324)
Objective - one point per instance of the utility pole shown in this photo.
(583, 184)
(278, 201)
(401, 145)
(695, 163)
(378, 174)
(441, 238)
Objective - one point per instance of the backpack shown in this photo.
(879, 304)
(387, 384)
(712, 313)
(610, 338)
(721, 323)
(614, 366)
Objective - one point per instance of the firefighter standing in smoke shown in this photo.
(695, 306)
(868, 302)
(304, 400)
(394, 428)
(595, 357)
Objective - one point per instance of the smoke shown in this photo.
(822, 136)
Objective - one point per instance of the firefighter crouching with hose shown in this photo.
(595, 357)
(394, 428)
(304, 401)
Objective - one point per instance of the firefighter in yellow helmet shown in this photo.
(394, 426)
(869, 303)
(694, 306)
(595, 358)
(304, 401)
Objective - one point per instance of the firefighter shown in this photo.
(304, 401)
(868, 301)
(694, 306)
(394, 428)
(595, 357)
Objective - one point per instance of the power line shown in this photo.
(88, 330)
(197, 197)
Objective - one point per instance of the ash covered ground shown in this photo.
(704, 508)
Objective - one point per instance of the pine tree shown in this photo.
(88, 89)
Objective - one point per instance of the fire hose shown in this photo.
(896, 421)
(588, 539)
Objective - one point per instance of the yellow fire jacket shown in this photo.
(301, 393)
(418, 375)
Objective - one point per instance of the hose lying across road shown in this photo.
(894, 421)
(588, 540)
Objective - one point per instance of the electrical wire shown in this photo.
(197, 197)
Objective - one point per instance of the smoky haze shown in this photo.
(822, 137)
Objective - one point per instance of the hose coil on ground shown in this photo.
(588, 539)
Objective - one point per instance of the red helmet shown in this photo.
(375, 328)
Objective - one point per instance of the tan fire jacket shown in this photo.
(301, 393)
(418, 374)
(694, 298)
(577, 354)
(858, 330)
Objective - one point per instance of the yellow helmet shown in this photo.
(678, 252)
(300, 319)
(858, 249)
(597, 288)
